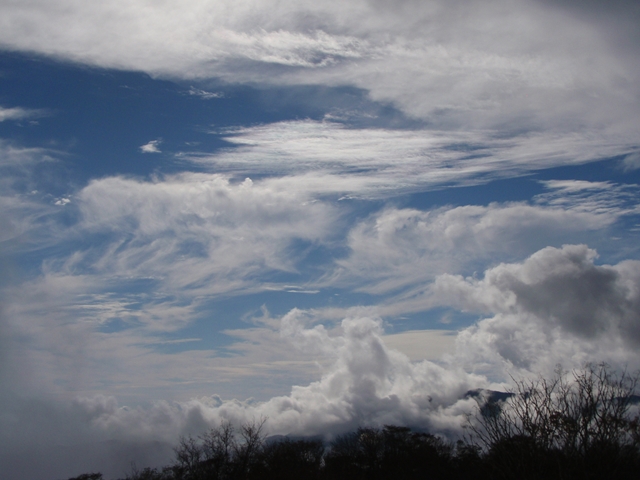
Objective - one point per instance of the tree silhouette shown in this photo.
(583, 424)
(577, 425)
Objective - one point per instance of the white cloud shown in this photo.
(18, 160)
(556, 307)
(404, 248)
(329, 158)
(631, 161)
(604, 198)
(22, 213)
(204, 94)
(158, 250)
(558, 84)
(364, 383)
(422, 344)
(151, 147)
(515, 65)
(18, 113)
(195, 231)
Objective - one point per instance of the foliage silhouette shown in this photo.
(578, 425)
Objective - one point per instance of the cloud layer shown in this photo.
(399, 248)
(331, 158)
(557, 306)
(519, 65)
(188, 230)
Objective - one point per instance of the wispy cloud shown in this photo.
(22, 212)
(530, 71)
(204, 94)
(189, 230)
(19, 113)
(402, 248)
(329, 158)
(151, 147)
(119, 277)
(596, 197)
(631, 161)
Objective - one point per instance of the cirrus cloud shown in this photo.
(541, 66)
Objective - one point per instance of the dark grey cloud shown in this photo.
(558, 306)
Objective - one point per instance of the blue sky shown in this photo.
(325, 215)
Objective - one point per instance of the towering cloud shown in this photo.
(558, 307)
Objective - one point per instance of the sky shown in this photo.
(323, 214)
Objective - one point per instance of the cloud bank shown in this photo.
(535, 325)
(556, 307)
(519, 65)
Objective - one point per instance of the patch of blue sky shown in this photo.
(519, 189)
(117, 324)
(606, 169)
(100, 118)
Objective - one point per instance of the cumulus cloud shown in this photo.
(558, 306)
(398, 248)
(547, 310)
(422, 344)
(143, 258)
(364, 383)
(159, 250)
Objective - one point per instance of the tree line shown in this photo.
(583, 425)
